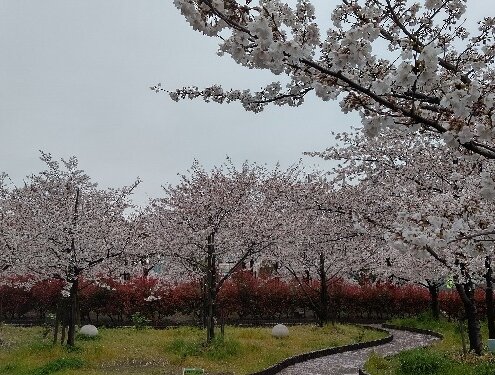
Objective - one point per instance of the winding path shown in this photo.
(348, 363)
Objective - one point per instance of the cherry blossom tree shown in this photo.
(455, 228)
(6, 248)
(400, 64)
(64, 227)
(454, 234)
(154, 250)
(224, 217)
(411, 267)
(433, 76)
(324, 244)
(443, 209)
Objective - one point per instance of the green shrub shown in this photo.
(139, 320)
(58, 365)
(219, 349)
(222, 348)
(7, 368)
(421, 362)
(39, 346)
(184, 348)
(424, 320)
(377, 362)
(485, 369)
(80, 337)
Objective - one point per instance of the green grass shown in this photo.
(57, 365)
(219, 350)
(442, 358)
(127, 351)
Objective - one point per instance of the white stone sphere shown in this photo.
(89, 330)
(280, 331)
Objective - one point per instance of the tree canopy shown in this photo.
(401, 64)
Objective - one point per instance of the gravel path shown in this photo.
(348, 363)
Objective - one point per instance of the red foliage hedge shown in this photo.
(243, 296)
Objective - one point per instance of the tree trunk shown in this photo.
(71, 336)
(222, 325)
(211, 291)
(64, 320)
(490, 308)
(304, 284)
(466, 293)
(56, 323)
(434, 303)
(323, 313)
(62, 335)
(204, 307)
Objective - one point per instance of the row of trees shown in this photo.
(418, 209)
(423, 85)
(420, 206)
(403, 219)
(60, 225)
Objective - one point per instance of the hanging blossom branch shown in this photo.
(424, 81)
(254, 102)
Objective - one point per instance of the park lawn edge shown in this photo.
(96, 354)
(447, 353)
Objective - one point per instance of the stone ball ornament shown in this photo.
(280, 331)
(89, 330)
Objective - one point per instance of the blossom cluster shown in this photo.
(434, 75)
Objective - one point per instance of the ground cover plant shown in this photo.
(127, 351)
(443, 357)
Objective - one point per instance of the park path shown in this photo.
(348, 363)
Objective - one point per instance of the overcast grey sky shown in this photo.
(75, 77)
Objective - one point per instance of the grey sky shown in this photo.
(74, 78)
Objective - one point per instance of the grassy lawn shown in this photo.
(127, 351)
(442, 358)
